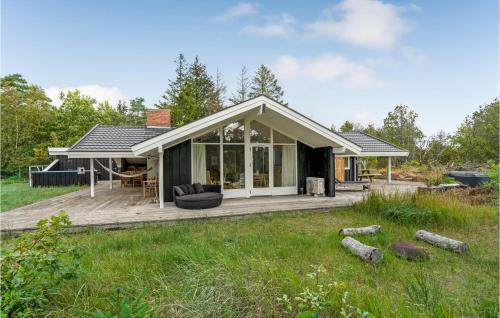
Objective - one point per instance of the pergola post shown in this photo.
(388, 170)
(91, 177)
(110, 174)
(160, 177)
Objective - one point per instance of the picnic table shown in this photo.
(369, 173)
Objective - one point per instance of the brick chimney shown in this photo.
(158, 118)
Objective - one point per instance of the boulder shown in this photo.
(410, 251)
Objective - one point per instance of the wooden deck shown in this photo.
(126, 207)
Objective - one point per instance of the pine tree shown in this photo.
(203, 88)
(243, 87)
(266, 83)
(219, 94)
(193, 94)
(171, 95)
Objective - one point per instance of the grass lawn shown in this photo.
(16, 193)
(240, 268)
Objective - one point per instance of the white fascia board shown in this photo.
(198, 125)
(384, 154)
(102, 154)
(186, 130)
(57, 151)
(308, 123)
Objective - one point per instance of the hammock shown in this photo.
(123, 175)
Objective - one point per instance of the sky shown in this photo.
(336, 60)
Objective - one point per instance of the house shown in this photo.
(258, 147)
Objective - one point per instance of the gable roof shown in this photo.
(373, 146)
(114, 138)
(299, 120)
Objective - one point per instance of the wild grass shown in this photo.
(441, 209)
(15, 192)
(240, 268)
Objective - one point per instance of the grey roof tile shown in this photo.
(369, 143)
(115, 138)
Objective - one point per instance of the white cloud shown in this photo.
(99, 93)
(281, 26)
(240, 9)
(369, 23)
(327, 67)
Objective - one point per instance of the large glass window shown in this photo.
(284, 166)
(259, 132)
(234, 166)
(211, 137)
(260, 156)
(235, 132)
(206, 163)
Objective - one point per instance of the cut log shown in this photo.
(410, 251)
(367, 253)
(372, 229)
(441, 241)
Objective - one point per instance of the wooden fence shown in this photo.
(60, 178)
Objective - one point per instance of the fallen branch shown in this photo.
(441, 241)
(367, 253)
(372, 229)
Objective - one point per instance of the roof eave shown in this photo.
(202, 123)
(384, 154)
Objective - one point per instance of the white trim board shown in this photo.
(58, 151)
(103, 154)
(237, 110)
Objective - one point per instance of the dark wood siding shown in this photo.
(69, 164)
(316, 162)
(350, 173)
(176, 167)
(60, 178)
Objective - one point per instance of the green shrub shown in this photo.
(494, 173)
(321, 299)
(425, 296)
(124, 309)
(34, 264)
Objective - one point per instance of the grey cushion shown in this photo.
(179, 191)
(198, 188)
(191, 189)
(184, 188)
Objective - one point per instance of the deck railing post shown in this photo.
(160, 177)
(110, 174)
(91, 177)
(388, 170)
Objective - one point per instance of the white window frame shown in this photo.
(249, 190)
(348, 160)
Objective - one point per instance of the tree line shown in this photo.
(475, 141)
(31, 122)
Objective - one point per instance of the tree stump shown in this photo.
(372, 229)
(410, 251)
(367, 253)
(441, 241)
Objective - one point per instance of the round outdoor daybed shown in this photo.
(203, 200)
